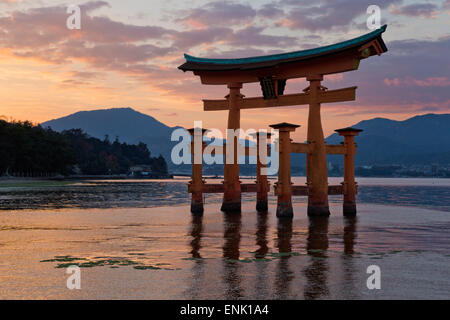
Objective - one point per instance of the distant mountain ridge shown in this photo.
(423, 139)
(129, 125)
(123, 122)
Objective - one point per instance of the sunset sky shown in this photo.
(127, 53)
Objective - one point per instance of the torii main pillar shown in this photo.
(316, 163)
(232, 185)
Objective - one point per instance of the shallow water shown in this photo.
(129, 249)
(425, 193)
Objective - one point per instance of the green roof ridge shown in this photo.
(289, 55)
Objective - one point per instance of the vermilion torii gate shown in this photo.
(272, 72)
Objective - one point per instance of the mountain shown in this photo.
(423, 139)
(131, 127)
(127, 124)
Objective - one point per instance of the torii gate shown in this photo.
(272, 72)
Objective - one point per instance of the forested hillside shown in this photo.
(30, 150)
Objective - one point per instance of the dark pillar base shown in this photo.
(197, 204)
(232, 198)
(261, 205)
(197, 209)
(318, 211)
(284, 210)
(230, 207)
(349, 209)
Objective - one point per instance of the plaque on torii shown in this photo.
(272, 72)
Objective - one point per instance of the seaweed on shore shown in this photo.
(62, 259)
(68, 261)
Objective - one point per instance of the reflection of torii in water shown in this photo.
(316, 272)
(232, 224)
(272, 72)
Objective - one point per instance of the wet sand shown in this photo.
(165, 253)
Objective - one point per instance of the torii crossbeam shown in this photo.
(272, 72)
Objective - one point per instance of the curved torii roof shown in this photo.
(336, 58)
(206, 64)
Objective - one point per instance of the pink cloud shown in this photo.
(392, 82)
(428, 82)
(219, 13)
(335, 77)
(413, 72)
(322, 15)
(433, 82)
(424, 10)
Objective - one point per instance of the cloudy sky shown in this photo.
(127, 52)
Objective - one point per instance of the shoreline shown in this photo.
(362, 181)
(84, 177)
(11, 179)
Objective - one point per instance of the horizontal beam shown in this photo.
(221, 150)
(220, 188)
(308, 148)
(330, 96)
(299, 190)
(335, 149)
(301, 147)
(303, 190)
(213, 188)
(295, 148)
(335, 190)
(249, 187)
(253, 187)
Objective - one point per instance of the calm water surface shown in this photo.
(137, 240)
(426, 193)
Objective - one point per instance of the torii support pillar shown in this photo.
(316, 166)
(232, 185)
(284, 184)
(196, 185)
(350, 186)
(262, 185)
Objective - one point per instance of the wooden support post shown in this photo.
(317, 174)
(232, 194)
(196, 185)
(350, 186)
(284, 184)
(262, 185)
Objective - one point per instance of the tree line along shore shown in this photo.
(30, 151)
